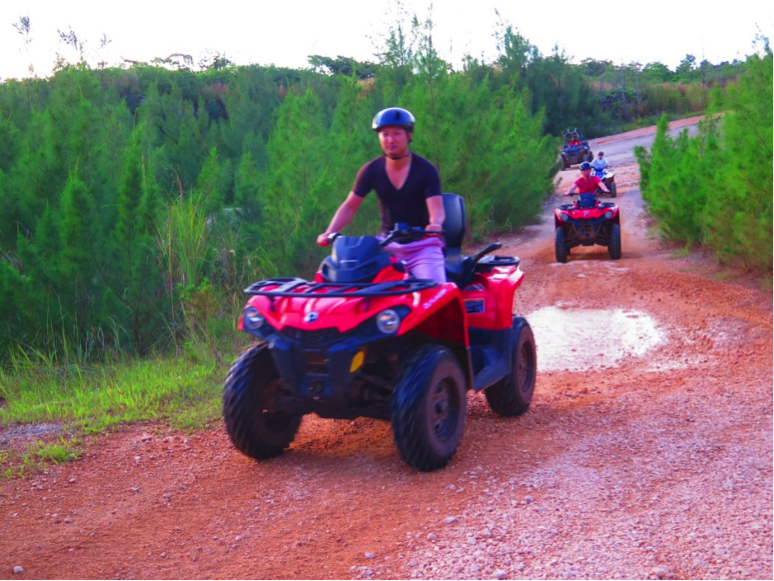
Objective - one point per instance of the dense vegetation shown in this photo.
(138, 202)
(716, 188)
(629, 94)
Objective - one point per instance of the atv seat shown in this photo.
(459, 268)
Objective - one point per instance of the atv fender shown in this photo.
(500, 285)
(440, 315)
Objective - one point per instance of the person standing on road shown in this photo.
(600, 163)
(409, 190)
(587, 185)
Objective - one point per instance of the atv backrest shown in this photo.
(454, 224)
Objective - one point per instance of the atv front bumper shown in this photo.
(322, 371)
(311, 369)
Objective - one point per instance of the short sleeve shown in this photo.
(364, 181)
(432, 182)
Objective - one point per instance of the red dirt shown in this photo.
(149, 503)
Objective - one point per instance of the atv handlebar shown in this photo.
(329, 239)
(401, 232)
(406, 233)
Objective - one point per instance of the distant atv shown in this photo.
(607, 178)
(576, 149)
(585, 223)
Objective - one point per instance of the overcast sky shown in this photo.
(286, 32)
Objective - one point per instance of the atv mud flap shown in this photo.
(491, 353)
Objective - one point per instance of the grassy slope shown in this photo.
(178, 392)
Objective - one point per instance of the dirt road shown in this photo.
(647, 453)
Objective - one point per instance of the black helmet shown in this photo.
(394, 116)
(585, 165)
(601, 153)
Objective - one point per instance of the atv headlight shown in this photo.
(564, 216)
(608, 214)
(388, 321)
(253, 319)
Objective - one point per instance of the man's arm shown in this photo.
(342, 217)
(571, 191)
(437, 213)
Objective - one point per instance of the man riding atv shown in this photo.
(587, 185)
(409, 190)
(367, 338)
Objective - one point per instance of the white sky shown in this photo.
(285, 32)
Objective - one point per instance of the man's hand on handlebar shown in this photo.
(326, 238)
(434, 228)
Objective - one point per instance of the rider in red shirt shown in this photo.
(587, 183)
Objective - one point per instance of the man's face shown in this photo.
(394, 141)
(586, 172)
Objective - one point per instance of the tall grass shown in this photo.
(179, 392)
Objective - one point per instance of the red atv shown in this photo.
(587, 222)
(365, 338)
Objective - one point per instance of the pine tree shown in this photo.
(739, 210)
(352, 144)
(296, 162)
(134, 278)
(79, 256)
(247, 190)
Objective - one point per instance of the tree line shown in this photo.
(716, 188)
(137, 203)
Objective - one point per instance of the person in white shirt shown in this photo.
(600, 163)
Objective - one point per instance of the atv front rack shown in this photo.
(298, 287)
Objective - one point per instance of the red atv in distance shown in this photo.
(585, 223)
(367, 339)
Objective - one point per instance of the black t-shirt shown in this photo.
(406, 204)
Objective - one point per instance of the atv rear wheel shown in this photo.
(255, 428)
(590, 156)
(614, 248)
(428, 408)
(612, 189)
(561, 246)
(512, 395)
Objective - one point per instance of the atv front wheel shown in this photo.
(428, 408)
(590, 156)
(512, 395)
(256, 429)
(561, 246)
(614, 248)
(612, 189)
